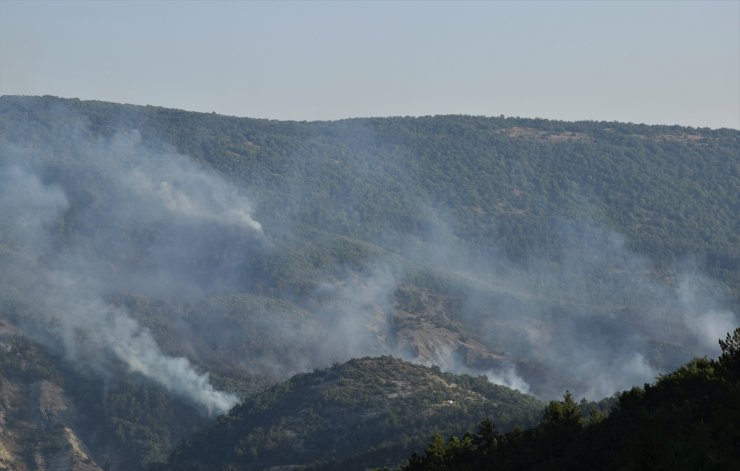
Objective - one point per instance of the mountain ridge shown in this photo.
(207, 258)
(370, 117)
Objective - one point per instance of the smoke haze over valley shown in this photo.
(136, 237)
(409, 236)
(212, 257)
(92, 219)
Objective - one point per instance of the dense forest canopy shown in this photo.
(203, 258)
(688, 419)
(363, 413)
(671, 191)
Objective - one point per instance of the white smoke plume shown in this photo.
(595, 319)
(70, 280)
(195, 195)
(85, 218)
(600, 318)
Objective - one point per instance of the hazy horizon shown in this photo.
(647, 62)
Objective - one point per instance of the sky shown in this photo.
(643, 62)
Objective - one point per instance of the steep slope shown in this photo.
(55, 418)
(366, 412)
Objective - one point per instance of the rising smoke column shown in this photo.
(137, 218)
(89, 217)
(599, 317)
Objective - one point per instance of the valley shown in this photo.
(334, 293)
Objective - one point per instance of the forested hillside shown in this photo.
(671, 191)
(688, 419)
(181, 263)
(366, 412)
(53, 416)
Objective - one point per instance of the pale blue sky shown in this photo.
(654, 62)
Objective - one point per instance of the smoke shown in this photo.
(703, 314)
(343, 318)
(28, 206)
(507, 376)
(87, 220)
(90, 328)
(190, 193)
(448, 358)
(95, 217)
(598, 317)
(585, 312)
(357, 309)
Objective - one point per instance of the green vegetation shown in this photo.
(688, 419)
(366, 412)
(672, 191)
(125, 421)
(337, 199)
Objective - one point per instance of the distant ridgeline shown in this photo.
(672, 191)
(159, 266)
